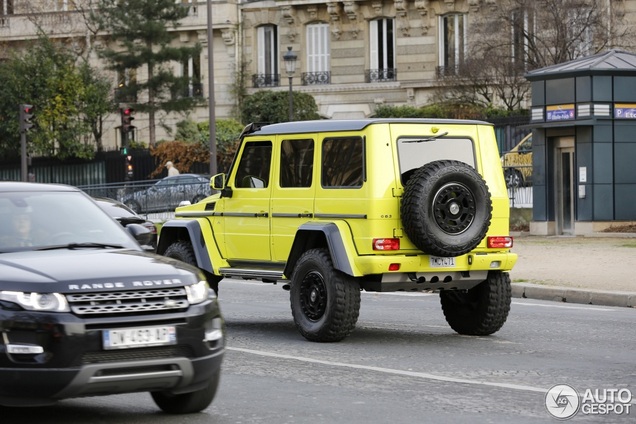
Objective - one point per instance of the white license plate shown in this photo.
(437, 262)
(125, 338)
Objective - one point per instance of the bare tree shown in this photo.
(516, 36)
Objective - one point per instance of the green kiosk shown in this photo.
(583, 121)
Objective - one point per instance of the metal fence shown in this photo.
(147, 199)
(520, 197)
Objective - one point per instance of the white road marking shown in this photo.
(413, 374)
(558, 305)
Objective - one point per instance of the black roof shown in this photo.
(328, 125)
(612, 62)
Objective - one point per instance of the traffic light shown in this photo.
(129, 168)
(26, 117)
(126, 119)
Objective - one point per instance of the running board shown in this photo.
(252, 274)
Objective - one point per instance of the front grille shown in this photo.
(138, 354)
(128, 302)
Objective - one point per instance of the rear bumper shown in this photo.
(424, 272)
(480, 261)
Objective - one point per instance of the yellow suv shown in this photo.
(331, 208)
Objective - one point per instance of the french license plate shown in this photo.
(126, 338)
(437, 262)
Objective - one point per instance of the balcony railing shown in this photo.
(451, 71)
(265, 80)
(315, 78)
(380, 75)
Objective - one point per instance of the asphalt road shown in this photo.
(402, 364)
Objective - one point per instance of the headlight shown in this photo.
(198, 292)
(50, 302)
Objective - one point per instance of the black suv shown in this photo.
(85, 311)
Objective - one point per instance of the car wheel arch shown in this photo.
(315, 235)
(190, 230)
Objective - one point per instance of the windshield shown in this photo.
(35, 220)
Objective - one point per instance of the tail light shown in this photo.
(499, 242)
(386, 244)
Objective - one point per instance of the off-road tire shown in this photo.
(187, 403)
(325, 302)
(183, 251)
(479, 311)
(446, 208)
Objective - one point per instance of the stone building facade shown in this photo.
(352, 55)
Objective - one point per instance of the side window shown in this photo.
(342, 162)
(253, 169)
(296, 163)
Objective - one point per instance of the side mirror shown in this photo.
(140, 233)
(218, 181)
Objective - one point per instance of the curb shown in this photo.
(572, 295)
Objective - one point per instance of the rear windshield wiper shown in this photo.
(422, 140)
(90, 245)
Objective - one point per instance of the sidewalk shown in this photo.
(597, 269)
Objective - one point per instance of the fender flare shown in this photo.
(317, 234)
(190, 230)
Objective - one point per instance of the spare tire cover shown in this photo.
(446, 208)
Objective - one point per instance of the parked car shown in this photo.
(85, 311)
(167, 193)
(126, 216)
(517, 164)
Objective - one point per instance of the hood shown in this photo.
(65, 271)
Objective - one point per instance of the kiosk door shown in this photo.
(565, 186)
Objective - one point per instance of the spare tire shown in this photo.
(446, 208)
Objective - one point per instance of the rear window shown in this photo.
(413, 152)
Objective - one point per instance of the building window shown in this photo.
(6, 7)
(191, 5)
(267, 61)
(382, 54)
(452, 40)
(191, 71)
(579, 31)
(126, 91)
(318, 55)
(522, 29)
(60, 5)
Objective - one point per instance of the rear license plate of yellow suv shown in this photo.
(126, 338)
(437, 262)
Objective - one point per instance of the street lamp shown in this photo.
(290, 64)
